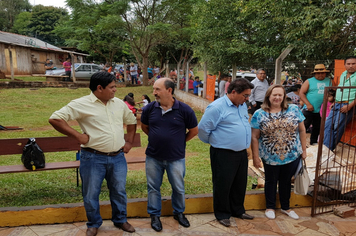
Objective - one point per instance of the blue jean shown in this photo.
(281, 174)
(154, 173)
(93, 169)
(134, 79)
(335, 125)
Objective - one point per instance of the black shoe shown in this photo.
(225, 222)
(245, 216)
(156, 223)
(182, 220)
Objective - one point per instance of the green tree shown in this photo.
(43, 21)
(257, 31)
(151, 23)
(94, 28)
(9, 9)
(178, 47)
(21, 24)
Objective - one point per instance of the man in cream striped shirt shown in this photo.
(101, 117)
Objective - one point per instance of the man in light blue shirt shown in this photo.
(259, 91)
(225, 127)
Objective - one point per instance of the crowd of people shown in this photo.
(276, 133)
(133, 73)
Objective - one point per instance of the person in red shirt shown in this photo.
(67, 65)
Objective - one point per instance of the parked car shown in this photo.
(83, 71)
(247, 75)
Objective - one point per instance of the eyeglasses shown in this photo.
(246, 95)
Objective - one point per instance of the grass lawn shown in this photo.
(24, 78)
(30, 109)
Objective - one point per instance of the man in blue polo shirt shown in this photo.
(225, 127)
(166, 122)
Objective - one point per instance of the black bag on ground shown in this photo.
(32, 155)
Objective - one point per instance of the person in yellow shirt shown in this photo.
(101, 117)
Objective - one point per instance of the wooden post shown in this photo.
(125, 74)
(73, 68)
(167, 69)
(278, 68)
(205, 80)
(178, 86)
(187, 76)
(234, 69)
(11, 64)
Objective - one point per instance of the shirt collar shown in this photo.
(345, 74)
(94, 98)
(175, 104)
(228, 101)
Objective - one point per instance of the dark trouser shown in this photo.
(312, 119)
(68, 73)
(229, 169)
(283, 175)
(258, 106)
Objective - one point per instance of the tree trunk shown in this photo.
(144, 70)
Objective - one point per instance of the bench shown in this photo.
(52, 144)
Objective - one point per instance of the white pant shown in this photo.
(49, 72)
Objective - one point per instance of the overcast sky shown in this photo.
(55, 3)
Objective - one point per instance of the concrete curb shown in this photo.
(69, 213)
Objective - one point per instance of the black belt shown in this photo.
(103, 153)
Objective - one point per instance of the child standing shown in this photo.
(145, 100)
(331, 100)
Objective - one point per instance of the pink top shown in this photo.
(66, 63)
(132, 108)
(327, 109)
(226, 86)
(190, 84)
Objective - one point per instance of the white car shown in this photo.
(83, 71)
(247, 75)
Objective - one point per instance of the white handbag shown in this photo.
(302, 181)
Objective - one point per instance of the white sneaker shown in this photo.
(270, 214)
(291, 214)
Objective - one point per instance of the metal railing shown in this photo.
(335, 173)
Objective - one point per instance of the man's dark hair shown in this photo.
(102, 78)
(350, 57)
(147, 98)
(239, 85)
(196, 77)
(168, 83)
(129, 100)
(295, 87)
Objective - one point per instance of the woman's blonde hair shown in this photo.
(266, 105)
